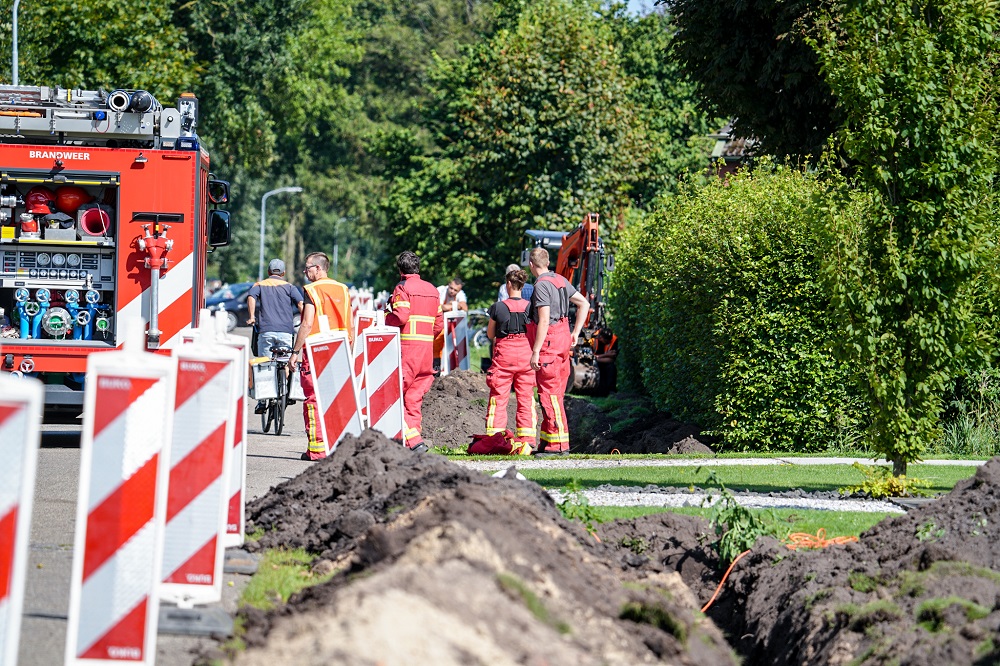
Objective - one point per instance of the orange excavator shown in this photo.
(581, 258)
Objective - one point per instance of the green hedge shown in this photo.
(724, 320)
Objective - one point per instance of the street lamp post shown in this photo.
(13, 68)
(263, 222)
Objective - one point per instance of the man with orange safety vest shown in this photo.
(511, 365)
(416, 311)
(551, 346)
(324, 297)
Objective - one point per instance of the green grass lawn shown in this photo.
(836, 523)
(758, 478)
(280, 574)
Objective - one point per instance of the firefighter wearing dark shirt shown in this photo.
(551, 346)
(511, 365)
(416, 311)
(327, 298)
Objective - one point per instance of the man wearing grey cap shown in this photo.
(276, 301)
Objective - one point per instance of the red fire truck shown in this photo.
(107, 211)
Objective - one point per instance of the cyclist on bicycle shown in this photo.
(278, 301)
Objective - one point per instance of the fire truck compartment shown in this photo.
(58, 258)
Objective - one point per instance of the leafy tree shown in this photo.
(534, 128)
(751, 63)
(914, 80)
(274, 106)
(93, 44)
(666, 100)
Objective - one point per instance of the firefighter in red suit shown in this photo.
(551, 346)
(416, 311)
(508, 327)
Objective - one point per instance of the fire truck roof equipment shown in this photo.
(123, 118)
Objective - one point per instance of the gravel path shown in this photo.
(592, 463)
(610, 495)
(753, 501)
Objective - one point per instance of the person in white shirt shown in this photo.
(452, 296)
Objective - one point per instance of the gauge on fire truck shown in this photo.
(59, 260)
(43, 258)
(73, 260)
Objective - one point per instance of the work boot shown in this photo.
(420, 448)
(550, 454)
(260, 408)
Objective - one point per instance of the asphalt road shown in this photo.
(270, 460)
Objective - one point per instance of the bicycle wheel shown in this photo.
(479, 338)
(279, 405)
(267, 416)
(279, 413)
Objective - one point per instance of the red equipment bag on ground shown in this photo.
(492, 445)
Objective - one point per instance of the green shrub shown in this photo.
(880, 483)
(726, 322)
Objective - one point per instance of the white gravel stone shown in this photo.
(753, 501)
(607, 498)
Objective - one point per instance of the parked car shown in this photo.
(233, 299)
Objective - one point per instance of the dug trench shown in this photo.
(435, 564)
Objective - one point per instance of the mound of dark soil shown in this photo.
(923, 588)
(455, 409)
(636, 428)
(438, 565)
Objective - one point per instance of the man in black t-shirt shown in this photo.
(277, 302)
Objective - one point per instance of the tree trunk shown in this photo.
(898, 467)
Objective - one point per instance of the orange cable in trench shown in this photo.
(723, 581)
(796, 540)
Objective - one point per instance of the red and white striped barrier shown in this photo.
(200, 452)
(362, 300)
(456, 342)
(117, 554)
(20, 421)
(236, 520)
(384, 375)
(333, 376)
(362, 321)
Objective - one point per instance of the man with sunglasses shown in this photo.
(324, 297)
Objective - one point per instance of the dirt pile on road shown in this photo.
(436, 564)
